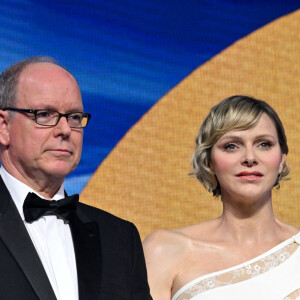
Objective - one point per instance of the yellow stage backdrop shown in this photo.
(145, 178)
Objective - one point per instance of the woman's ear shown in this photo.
(211, 166)
(283, 158)
(4, 130)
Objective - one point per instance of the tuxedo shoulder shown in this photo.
(115, 232)
(102, 216)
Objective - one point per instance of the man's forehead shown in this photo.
(44, 71)
(44, 84)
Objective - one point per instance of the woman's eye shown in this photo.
(230, 147)
(265, 145)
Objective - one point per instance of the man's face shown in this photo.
(37, 152)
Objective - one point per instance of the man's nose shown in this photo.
(63, 127)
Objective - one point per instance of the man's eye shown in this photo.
(75, 117)
(44, 114)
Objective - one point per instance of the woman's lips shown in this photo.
(250, 176)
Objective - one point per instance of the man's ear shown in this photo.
(4, 132)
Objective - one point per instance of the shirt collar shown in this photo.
(19, 190)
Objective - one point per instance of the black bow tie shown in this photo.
(34, 207)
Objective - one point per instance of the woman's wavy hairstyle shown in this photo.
(233, 113)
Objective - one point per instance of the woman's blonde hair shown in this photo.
(233, 113)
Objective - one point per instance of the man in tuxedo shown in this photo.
(51, 246)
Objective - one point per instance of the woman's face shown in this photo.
(247, 163)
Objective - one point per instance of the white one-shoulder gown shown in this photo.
(270, 276)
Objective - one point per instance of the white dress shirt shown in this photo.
(52, 239)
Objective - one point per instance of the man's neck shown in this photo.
(45, 188)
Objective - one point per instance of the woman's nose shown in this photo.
(249, 158)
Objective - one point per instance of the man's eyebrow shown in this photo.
(46, 107)
(49, 107)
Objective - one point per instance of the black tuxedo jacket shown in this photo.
(109, 257)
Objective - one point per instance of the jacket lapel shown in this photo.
(14, 234)
(87, 245)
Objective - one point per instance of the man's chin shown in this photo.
(60, 171)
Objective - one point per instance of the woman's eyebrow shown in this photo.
(238, 138)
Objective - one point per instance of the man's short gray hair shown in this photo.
(9, 79)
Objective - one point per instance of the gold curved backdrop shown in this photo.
(145, 178)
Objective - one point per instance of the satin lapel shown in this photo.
(87, 245)
(15, 236)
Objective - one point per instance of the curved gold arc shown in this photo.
(145, 178)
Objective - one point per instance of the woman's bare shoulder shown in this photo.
(286, 230)
(176, 241)
(164, 241)
(167, 252)
(200, 231)
(163, 250)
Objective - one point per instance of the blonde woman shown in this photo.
(246, 253)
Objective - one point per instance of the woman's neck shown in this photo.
(248, 219)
